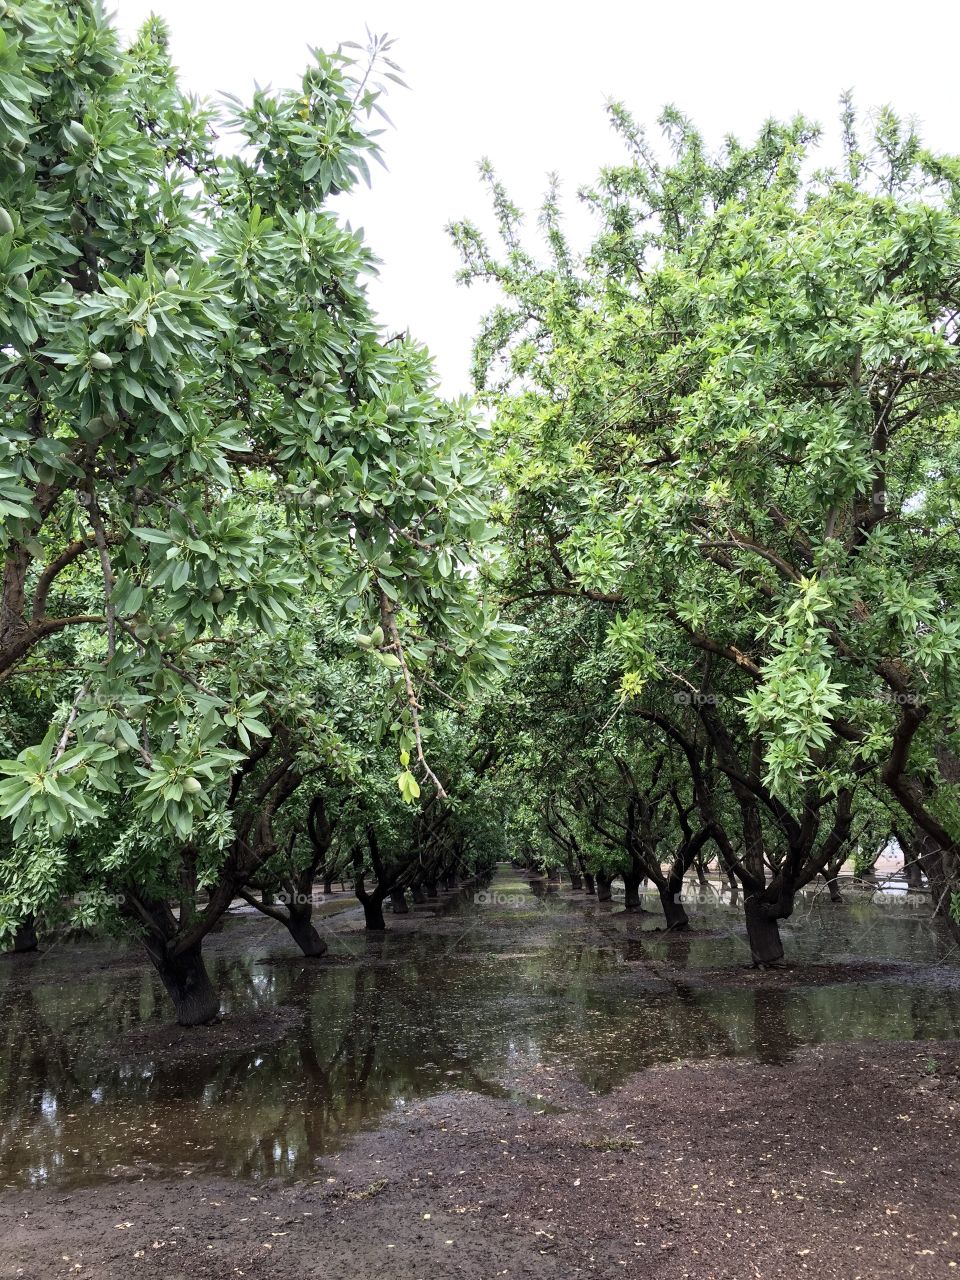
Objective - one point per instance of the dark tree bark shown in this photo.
(418, 894)
(398, 902)
(604, 887)
(833, 885)
(25, 939)
(589, 883)
(674, 911)
(373, 913)
(763, 933)
(187, 983)
(305, 935)
(912, 869)
(937, 862)
(938, 851)
(631, 890)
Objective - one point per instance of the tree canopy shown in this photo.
(731, 426)
(681, 587)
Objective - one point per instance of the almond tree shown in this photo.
(733, 424)
(205, 440)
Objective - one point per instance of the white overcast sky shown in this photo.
(525, 82)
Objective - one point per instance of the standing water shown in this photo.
(97, 1084)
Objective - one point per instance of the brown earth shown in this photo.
(840, 1163)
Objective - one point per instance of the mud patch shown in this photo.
(176, 1046)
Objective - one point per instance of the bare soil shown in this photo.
(840, 1163)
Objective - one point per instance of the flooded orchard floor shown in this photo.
(525, 1062)
(97, 1084)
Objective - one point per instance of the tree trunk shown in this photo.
(417, 894)
(576, 881)
(701, 873)
(432, 889)
(833, 886)
(729, 881)
(327, 885)
(763, 933)
(373, 914)
(553, 875)
(938, 866)
(305, 935)
(912, 873)
(25, 939)
(674, 911)
(187, 983)
(589, 884)
(631, 891)
(604, 887)
(398, 902)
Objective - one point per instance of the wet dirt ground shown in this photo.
(528, 1084)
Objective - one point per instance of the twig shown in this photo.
(74, 712)
(96, 524)
(390, 627)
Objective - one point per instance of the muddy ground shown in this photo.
(839, 1162)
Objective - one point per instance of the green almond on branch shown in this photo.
(79, 134)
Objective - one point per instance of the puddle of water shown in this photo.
(492, 988)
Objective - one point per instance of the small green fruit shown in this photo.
(364, 641)
(319, 379)
(376, 637)
(216, 595)
(21, 282)
(323, 501)
(16, 146)
(100, 360)
(393, 411)
(170, 278)
(121, 746)
(6, 222)
(97, 428)
(79, 134)
(192, 786)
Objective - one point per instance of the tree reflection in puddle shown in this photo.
(466, 1003)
